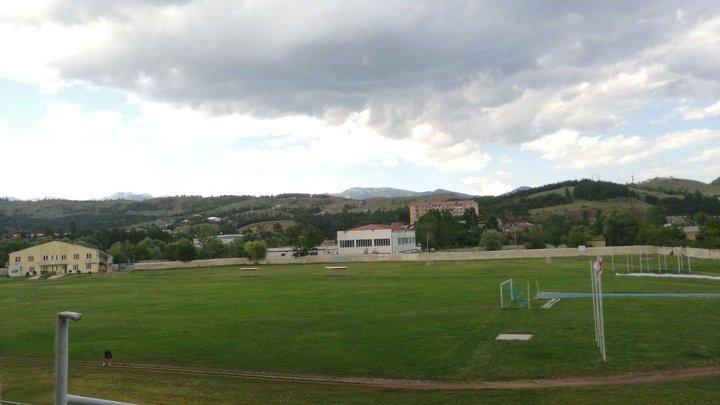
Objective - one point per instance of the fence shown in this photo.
(435, 256)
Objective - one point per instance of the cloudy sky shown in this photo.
(199, 97)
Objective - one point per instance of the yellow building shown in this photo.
(58, 257)
(456, 208)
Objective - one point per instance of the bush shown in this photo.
(491, 240)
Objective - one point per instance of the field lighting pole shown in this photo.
(61, 365)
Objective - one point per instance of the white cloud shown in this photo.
(257, 84)
(411, 65)
(171, 150)
(695, 114)
(486, 186)
(571, 150)
(705, 156)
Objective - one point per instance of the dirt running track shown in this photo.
(644, 377)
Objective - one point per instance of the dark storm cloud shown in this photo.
(481, 70)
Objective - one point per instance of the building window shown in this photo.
(347, 243)
(364, 242)
(17, 259)
(382, 242)
(45, 258)
(406, 240)
(32, 269)
(31, 258)
(76, 256)
(76, 267)
(88, 256)
(64, 257)
(88, 266)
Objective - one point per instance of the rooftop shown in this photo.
(377, 227)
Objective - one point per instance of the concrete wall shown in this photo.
(500, 254)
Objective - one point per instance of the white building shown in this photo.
(373, 239)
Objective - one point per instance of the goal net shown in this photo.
(511, 297)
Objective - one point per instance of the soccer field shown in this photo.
(390, 320)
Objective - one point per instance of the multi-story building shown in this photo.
(58, 257)
(456, 208)
(373, 239)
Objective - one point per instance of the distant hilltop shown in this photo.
(366, 193)
(128, 196)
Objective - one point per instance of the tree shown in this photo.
(709, 236)
(211, 248)
(620, 229)
(536, 237)
(203, 231)
(185, 250)
(556, 227)
(303, 239)
(579, 235)
(439, 229)
(661, 235)
(236, 248)
(73, 230)
(122, 252)
(491, 240)
(470, 217)
(255, 250)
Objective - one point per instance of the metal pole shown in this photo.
(602, 319)
(627, 264)
(61, 355)
(594, 299)
(528, 294)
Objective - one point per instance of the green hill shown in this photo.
(672, 185)
(572, 198)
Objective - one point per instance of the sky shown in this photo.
(217, 97)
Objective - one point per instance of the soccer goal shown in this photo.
(511, 297)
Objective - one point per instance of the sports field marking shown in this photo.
(513, 336)
(547, 295)
(690, 276)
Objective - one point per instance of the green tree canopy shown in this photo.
(255, 250)
(620, 229)
(185, 250)
(303, 239)
(491, 240)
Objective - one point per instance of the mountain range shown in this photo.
(367, 193)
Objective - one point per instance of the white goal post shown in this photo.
(517, 297)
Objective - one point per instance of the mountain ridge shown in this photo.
(366, 193)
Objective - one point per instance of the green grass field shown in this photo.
(392, 320)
